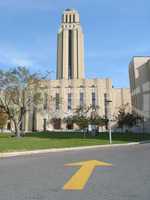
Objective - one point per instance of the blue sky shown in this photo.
(115, 30)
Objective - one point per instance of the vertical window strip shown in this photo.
(77, 56)
(45, 101)
(69, 101)
(81, 99)
(70, 55)
(70, 18)
(93, 99)
(62, 59)
(66, 19)
(74, 18)
(57, 101)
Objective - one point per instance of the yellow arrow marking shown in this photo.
(80, 178)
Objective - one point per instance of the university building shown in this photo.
(139, 73)
(71, 89)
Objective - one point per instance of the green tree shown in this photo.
(69, 120)
(81, 121)
(121, 117)
(131, 119)
(127, 119)
(83, 116)
(98, 121)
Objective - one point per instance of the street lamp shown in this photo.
(108, 115)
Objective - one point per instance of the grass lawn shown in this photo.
(47, 140)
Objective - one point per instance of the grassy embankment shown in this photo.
(47, 140)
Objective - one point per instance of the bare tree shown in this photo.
(3, 119)
(20, 91)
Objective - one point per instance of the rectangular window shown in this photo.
(44, 124)
(81, 99)
(57, 101)
(70, 19)
(66, 19)
(105, 104)
(93, 99)
(69, 101)
(74, 19)
(45, 104)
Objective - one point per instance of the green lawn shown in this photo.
(46, 140)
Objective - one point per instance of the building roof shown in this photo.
(70, 10)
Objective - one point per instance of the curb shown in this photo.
(23, 153)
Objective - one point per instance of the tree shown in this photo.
(3, 119)
(132, 119)
(121, 117)
(81, 121)
(20, 91)
(69, 120)
(79, 117)
(98, 121)
(83, 116)
(127, 119)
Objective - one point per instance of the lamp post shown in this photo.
(110, 134)
(108, 115)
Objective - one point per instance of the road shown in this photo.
(42, 177)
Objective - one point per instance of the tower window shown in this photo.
(69, 101)
(70, 18)
(70, 56)
(66, 19)
(74, 18)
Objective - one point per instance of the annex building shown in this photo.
(139, 74)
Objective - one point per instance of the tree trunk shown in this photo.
(18, 133)
(84, 133)
(17, 130)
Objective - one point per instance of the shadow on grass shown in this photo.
(124, 137)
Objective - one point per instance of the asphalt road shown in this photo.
(41, 177)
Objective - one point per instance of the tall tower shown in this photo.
(70, 47)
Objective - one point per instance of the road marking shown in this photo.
(80, 178)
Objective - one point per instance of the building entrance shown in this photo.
(57, 124)
(69, 126)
